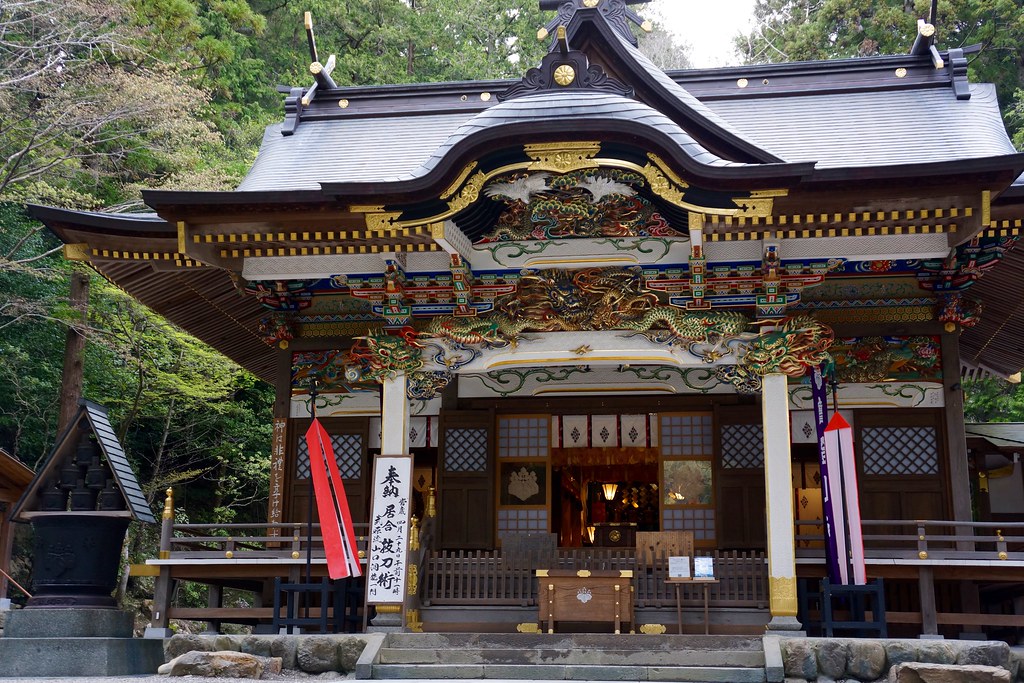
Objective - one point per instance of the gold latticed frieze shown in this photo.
(904, 314)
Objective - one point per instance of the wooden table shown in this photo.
(585, 595)
(679, 583)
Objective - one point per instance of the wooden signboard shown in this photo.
(386, 568)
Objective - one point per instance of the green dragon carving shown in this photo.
(797, 344)
(590, 299)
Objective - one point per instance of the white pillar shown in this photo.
(394, 418)
(778, 489)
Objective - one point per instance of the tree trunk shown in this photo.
(74, 351)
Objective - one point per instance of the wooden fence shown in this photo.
(487, 577)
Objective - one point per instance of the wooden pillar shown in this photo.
(6, 545)
(956, 439)
(778, 480)
(926, 590)
(214, 600)
(74, 351)
(159, 627)
(394, 419)
(278, 490)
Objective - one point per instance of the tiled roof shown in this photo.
(836, 130)
(874, 128)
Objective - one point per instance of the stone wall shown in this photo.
(311, 654)
(869, 660)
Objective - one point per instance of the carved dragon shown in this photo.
(794, 346)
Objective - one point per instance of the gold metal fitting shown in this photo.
(229, 554)
(565, 75)
(295, 554)
(923, 555)
(1002, 555)
(949, 327)
(169, 504)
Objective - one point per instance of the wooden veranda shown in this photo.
(923, 563)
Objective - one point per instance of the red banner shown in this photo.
(331, 502)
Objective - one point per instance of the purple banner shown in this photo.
(819, 399)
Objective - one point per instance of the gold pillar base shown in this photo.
(782, 596)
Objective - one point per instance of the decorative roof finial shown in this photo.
(615, 12)
(321, 72)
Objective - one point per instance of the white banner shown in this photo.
(422, 432)
(389, 530)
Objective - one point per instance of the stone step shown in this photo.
(578, 672)
(642, 642)
(573, 656)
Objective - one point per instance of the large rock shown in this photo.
(317, 654)
(936, 652)
(923, 672)
(349, 650)
(180, 643)
(866, 660)
(228, 642)
(798, 659)
(900, 651)
(989, 653)
(285, 647)
(256, 645)
(832, 656)
(223, 664)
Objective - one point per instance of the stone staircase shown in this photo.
(580, 657)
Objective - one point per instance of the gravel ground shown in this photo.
(145, 678)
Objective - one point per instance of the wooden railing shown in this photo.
(250, 541)
(487, 577)
(925, 539)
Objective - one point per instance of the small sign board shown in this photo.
(389, 530)
(703, 568)
(679, 567)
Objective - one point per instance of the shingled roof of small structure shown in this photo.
(94, 417)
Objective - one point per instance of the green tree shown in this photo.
(993, 400)
(792, 30)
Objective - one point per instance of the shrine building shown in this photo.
(589, 302)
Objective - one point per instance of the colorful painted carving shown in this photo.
(589, 299)
(586, 203)
(281, 295)
(954, 308)
(379, 357)
(873, 359)
(965, 265)
(327, 367)
(796, 345)
(276, 328)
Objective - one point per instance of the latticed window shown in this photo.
(900, 450)
(348, 453)
(524, 437)
(700, 521)
(686, 434)
(742, 446)
(510, 519)
(465, 450)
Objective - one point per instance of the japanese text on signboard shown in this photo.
(389, 530)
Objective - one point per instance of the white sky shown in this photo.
(707, 27)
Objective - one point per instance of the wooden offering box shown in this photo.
(585, 596)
